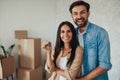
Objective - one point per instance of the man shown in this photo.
(95, 42)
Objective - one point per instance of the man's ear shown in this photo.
(88, 13)
(71, 15)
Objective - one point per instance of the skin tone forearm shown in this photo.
(93, 74)
(49, 63)
(60, 72)
(49, 59)
(48, 49)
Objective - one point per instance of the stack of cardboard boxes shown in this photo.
(29, 57)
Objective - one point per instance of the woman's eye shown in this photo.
(62, 31)
(69, 31)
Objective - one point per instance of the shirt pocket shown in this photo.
(92, 49)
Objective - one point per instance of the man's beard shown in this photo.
(81, 25)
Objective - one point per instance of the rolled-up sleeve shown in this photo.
(104, 50)
(74, 69)
(50, 69)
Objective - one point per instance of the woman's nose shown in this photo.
(66, 34)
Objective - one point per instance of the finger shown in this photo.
(45, 44)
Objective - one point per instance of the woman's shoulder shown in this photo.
(79, 48)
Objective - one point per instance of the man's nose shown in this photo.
(79, 16)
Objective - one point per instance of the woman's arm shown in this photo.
(72, 72)
(48, 49)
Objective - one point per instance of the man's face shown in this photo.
(80, 16)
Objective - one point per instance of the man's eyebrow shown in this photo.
(84, 10)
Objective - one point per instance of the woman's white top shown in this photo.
(63, 63)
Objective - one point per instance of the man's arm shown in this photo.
(103, 57)
(93, 74)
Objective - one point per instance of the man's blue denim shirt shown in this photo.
(96, 50)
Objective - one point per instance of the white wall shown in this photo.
(42, 17)
(36, 16)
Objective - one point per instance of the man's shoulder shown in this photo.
(97, 30)
(96, 27)
(92, 25)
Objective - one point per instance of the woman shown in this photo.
(64, 61)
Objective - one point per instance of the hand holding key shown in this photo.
(47, 46)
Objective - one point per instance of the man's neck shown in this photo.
(81, 30)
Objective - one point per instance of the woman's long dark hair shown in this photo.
(60, 44)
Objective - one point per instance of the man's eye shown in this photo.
(82, 12)
(75, 13)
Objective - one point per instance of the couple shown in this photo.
(68, 60)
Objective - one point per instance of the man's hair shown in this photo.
(79, 3)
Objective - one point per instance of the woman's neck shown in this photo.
(66, 46)
(66, 50)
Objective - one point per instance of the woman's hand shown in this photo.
(47, 46)
(48, 49)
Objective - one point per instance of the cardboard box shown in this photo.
(29, 53)
(6, 67)
(21, 34)
(27, 74)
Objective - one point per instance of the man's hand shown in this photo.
(82, 78)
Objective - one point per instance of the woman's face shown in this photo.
(66, 34)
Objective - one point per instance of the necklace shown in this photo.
(66, 52)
